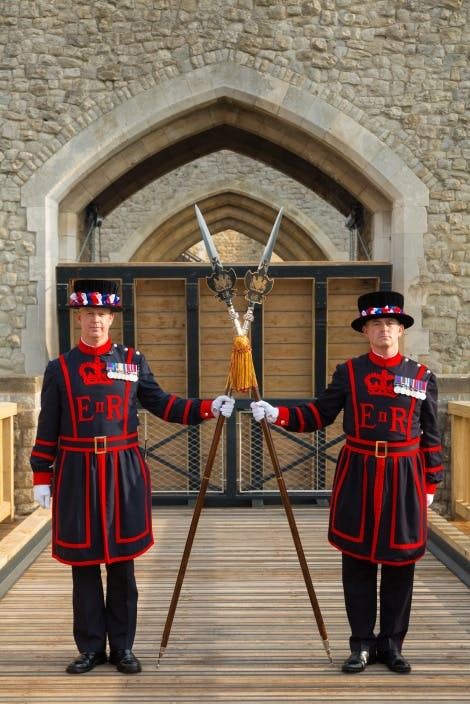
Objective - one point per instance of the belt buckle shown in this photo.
(102, 449)
(381, 449)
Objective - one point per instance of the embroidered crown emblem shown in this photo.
(380, 384)
(94, 372)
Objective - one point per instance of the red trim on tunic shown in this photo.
(436, 448)
(43, 455)
(205, 409)
(300, 419)
(42, 477)
(421, 371)
(419, 491)
(65, 543)
(68, 387)
(89, 349)
(50, 443)
(187, 408)
(341, 473)
(385, 361)
(378, 494)
(316, 414)
(352, 383)
(283, 416)
(393, 563)
(117, 510)
(102, 499)
(170, 403)
(130, 354)
(121, 558)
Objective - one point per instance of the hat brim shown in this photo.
(406, 320)
(113, 309)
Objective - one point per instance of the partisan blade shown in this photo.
(268, 250)
(208, 241)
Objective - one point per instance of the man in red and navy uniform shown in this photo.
(386, 475)
(87, 449)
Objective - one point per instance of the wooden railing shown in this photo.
(460, 462)
(7, 499)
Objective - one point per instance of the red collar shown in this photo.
(385, 361)
(88, 349)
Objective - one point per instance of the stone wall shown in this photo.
(25, 392)
(214, 169)
(400, 68)
(451, 388)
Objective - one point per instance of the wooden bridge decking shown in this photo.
(244, 630)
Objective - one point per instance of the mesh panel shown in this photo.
(307, 460)
(177, 454)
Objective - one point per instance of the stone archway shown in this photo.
(172, 229)
(296, 122)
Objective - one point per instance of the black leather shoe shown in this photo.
(394, 660)
(125, 661)
(86, 662)
(357, 661)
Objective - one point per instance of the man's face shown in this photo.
(94, 325)
(383, 335)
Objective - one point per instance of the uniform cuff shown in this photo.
(42, 478)
(283, 417)
(205, 409)
(431, 488)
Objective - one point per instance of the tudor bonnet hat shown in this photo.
(381, 304)
(95, 293)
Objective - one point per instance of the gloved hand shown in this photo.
(42, 494)
(263, 409)
(429, 499)
(224, 405)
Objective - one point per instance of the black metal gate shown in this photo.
(242, 472)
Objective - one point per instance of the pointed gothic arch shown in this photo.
(323, 143)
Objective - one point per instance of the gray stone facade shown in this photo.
(225, 166)
(87, 89)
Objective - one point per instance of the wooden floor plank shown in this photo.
(244, 631)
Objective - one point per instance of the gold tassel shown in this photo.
(242, 376)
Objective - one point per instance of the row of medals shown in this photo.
(120, 370)
(410, 387)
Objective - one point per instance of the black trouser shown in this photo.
(95, 617)
(360, 596)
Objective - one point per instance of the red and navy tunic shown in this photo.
(391, 458)
(87, 443)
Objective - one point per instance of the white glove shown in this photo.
(42, 494)
(262, 409)
(224, 405)
(429, 499)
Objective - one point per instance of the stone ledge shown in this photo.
(450, 545)
(20, 547)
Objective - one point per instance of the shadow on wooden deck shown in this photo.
(244, 630)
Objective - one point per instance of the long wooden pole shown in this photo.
(293, 527)
(192, 532)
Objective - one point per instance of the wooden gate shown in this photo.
(299, 336)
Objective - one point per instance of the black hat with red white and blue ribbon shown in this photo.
(381, 304)
(95, 293)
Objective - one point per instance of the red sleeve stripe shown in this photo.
(42, 478)
(35, 453)
(352, 383)
(187, 408)
(170, 403)
(300, 419)
(68, 386)
(432, 470)
(50, 443)
(436, 448)
(316, 415)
